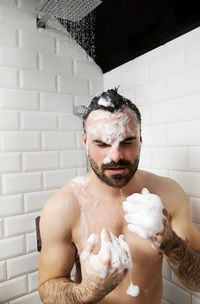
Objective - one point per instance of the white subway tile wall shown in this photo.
(41, 78)
(164, 83)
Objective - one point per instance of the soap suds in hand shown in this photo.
(115, 249)
(144, 214)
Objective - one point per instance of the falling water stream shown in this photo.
(73, 20)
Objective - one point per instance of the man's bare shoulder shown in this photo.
(153, 181)
(61, 210)
(63, 199)
(172, 194)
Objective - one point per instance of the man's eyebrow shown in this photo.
(98, 141)
(130, 138)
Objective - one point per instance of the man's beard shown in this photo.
(115, 180)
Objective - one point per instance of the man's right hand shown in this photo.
(104, 271)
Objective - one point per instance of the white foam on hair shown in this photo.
(106, 102)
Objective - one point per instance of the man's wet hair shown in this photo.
(115, 103)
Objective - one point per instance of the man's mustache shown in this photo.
(120, 163)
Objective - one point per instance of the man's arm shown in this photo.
(58, 255)
(180, 240)
(182, 258)
(65, 291)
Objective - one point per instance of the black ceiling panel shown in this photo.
(126, 29)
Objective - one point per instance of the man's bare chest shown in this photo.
(96, 215)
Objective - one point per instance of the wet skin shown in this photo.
(123, 149)
(79, 209)
(147, 261)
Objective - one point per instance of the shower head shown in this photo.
(79, 110)
(72, 10)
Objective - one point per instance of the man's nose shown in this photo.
(115, 154)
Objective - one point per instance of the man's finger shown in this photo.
(105, 235)
(145, 191)
(91, 244)
(104, 253)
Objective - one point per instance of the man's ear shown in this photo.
(84, 140)
(140, 136)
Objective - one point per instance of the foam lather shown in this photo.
(116, 250)
(144, 214)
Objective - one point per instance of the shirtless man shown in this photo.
(72, 219)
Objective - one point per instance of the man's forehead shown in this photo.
(101, 116)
